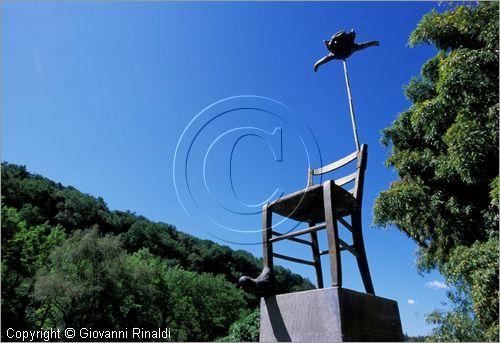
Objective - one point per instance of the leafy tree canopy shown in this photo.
(92, 282)
(25, 249)
(68, 261)
(244, 330)
(445, 150)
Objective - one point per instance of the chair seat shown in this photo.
(306, 205)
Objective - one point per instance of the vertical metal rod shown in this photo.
(351, 106)
(316, 256)
(332, 233)
(267, 233)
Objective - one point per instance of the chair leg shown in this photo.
(359, 246)
(332, 234)
(316, 257)
(267, 217)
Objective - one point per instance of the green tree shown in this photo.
(25, 249)
(40, 200)
(77, 211)
(157, 237)
(244, 330)
(445, 150)
(91, 282)
(201, 306)
(197, 307)
(105, 281)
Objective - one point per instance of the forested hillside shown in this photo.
(68, 261)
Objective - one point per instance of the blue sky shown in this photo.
(100, 95)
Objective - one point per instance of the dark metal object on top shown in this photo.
(261, 285)
(341, 46)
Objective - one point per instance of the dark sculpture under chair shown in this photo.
(261, 285)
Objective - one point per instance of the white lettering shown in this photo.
(36, 335)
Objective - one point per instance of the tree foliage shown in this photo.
(445, 150)
(40, 201)
(244, 330)
(68, 261)
(25, 249)
(91, 282)
(88, 283)
(202, 306)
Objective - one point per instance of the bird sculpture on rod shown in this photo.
(341, 46)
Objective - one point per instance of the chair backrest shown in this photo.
(358, 176)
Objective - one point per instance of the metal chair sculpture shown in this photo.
(326, 203)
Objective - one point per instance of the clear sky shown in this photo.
(103, 96)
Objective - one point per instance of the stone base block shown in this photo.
(329, 315)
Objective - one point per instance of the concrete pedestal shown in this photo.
(329, 315)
